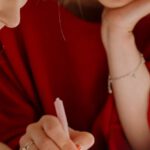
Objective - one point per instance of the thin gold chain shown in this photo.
(80, 8)
(60, 22)
(60, 16)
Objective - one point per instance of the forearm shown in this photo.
(131, 93)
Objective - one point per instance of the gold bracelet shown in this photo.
(130, 74)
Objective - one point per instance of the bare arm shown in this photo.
(131, 93)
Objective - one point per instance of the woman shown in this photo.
(48, 56)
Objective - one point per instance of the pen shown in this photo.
(60, 111)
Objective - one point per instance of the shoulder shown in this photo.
(142, 34)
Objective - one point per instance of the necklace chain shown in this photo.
(60, 22)
(80, 9)
(83, 15)
(60, 16)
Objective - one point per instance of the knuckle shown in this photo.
(50, 122)
(55, 128)
(30, 127)
(22, 139)
(46, 118)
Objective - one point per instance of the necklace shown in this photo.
(80, 9)
(90, 13)
(60, 21)
(81, 13)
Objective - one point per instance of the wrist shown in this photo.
(114, 38)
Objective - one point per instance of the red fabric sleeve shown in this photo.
(16, 108)
(108, 125)
(116, 137)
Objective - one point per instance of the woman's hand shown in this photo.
(48, 134)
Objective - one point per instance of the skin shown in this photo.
(10, 12)
(119, 19)
(115, 3)
(131, 94)
(48, 133)
(4, 147)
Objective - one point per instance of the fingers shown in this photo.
(84, 139)
(26, 142)
(41, 140)
(54, 130)
(47, 134)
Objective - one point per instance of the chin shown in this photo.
(1, 25)
(114, 3)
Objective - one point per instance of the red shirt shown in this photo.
(37, 65)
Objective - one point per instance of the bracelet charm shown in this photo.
(130, 74)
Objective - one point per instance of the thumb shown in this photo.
(83, 139)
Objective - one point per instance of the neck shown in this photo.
(86, 9)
